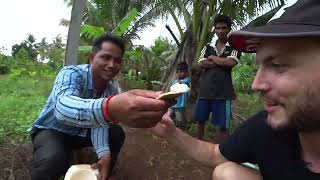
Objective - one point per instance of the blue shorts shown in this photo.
(220, 109)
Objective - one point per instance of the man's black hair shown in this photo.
(182, 66)
(223, 19)
(107, 38)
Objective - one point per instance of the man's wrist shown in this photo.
(106, 112)
(105, 156)
(102, 152)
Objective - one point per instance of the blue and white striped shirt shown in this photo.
(73, 107)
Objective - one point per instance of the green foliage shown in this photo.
(21, 67)
(247, 104)
(123, 26)
(147, 64)
(52, 53)
(28, 55)
(262, 20)
(29, 46)
(20, 103)
(244, 73)
(132, 81)
(91, 32)
(4, 64)
(120, 15)
(161, 45)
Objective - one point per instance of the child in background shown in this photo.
(177, 112)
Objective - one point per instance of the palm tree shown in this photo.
(106, 15)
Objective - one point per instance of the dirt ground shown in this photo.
(147, 157)
(143, 157)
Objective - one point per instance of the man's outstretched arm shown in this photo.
(204, 152)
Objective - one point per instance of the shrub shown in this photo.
(244, 73)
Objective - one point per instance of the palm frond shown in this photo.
(91, 32)
(124, 24)
(263, 19)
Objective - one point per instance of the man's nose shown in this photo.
(111, 63)
(260, 82)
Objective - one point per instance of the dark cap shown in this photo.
(300, 20)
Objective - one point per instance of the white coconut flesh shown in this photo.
(175, 91)
(81, 172)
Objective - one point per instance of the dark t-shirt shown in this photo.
(216, 82)
(277, 153)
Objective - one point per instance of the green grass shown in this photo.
(247, 105)
(21, 100)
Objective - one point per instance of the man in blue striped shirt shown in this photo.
(78, 114)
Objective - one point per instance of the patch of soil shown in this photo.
(143, 157)
(147, 157)
(15, 161)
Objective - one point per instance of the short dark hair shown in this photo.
(107, 38)
(182, 66)
(223, 19)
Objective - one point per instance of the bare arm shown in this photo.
(207, 64)
(225, 62)
(204, 152)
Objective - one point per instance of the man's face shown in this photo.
(107, 62)
(288, 79)
(221, 30)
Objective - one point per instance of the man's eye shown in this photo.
(277, 65)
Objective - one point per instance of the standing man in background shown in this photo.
(216, 89)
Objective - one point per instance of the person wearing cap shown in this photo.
(83, 110)
(177, 112)
(216, 90)
(283, 140)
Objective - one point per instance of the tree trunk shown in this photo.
(71, 56)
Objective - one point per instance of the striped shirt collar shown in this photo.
(214, 45)
(90, 77)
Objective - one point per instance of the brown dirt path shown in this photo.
(147, 157)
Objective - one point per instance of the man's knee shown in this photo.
(51, 164)
(223, 171)
(231, 170)
(50, 161)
